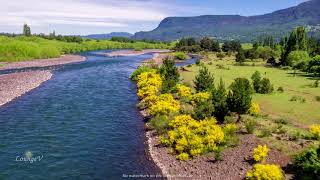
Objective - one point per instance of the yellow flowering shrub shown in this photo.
(148, 84)
(265, 172)
(315, 131)
(164, 105)
(200, 97)
(183, 156)
(260, 153)
(254, 109)
(230, 129)
(184, 91)
(193, 138)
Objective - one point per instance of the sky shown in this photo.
(81, 17)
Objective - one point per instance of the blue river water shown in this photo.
(81, 124)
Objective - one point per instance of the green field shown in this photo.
(28, 48)
(301, 113)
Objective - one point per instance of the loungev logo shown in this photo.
(28, 157)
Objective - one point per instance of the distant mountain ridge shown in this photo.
(109, 36)
(235, 26)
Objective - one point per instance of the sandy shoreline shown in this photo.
(65, 59)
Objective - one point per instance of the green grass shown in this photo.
(28, 48)
(277, 105)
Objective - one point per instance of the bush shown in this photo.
(265, 172)
(318, 98)
(260, 153)
(204, 81)
(202, 110)
(250, 126)
(180, 56)
(170, 75)
(254, 109)
(141, 69)
(307, 163)
(315, 131)
(165, 105)
(239, 97)
(183, 157)
(160, 124)
(316, 84)
(230, 129)
(219, 98)
(265, 86)
(280, 89)
(256, 78)
(184, 91)
(192, 137)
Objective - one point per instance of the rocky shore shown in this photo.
(65, 59)
(234, 163)
(16, 84)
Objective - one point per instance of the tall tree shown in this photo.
(204, 81)
(26, 30)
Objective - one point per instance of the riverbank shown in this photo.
(65, 59)
(16, 84)
(234, 163)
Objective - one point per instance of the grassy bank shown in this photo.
(303, 111)
(28, 48)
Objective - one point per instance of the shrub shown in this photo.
(266, 132)
(230, 129)
(239, 97)
(180, 56)
(219, 98)
(183, 156)
(318, 98)
(200, 97)
(280, 89)
(138, 49)
(170, 75)
(148, 84)
(316, 83)
(250, 126)
(203, 109)
(240, 57)
(256, 78)
(184, 91)
(260, 153)
(204, 81)
(160, 124)
(315, 131)
(265, 86)
(281, 121)
(254, 109)
(220, 55)
(165, 105)
(192, 137)
(265, 172)
(198, 62)
(307, 163)
(141, 69)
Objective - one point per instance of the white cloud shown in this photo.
(78, 12)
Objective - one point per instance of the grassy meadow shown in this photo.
(304, 111)
(28, 48)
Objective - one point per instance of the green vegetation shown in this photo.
(180, 56)
(22, 48)
(307, 164)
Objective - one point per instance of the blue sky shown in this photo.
(104, 16)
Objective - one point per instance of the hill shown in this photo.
(109, 36)
(235, 26)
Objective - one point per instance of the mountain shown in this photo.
(235, 26)
(109, 36)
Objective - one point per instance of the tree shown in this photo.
(204, 81)
(256, 79)
(314, 66)
(231, 46)
(239, 97)
(240, 57)
(219, 99)
(206, 43)
(169, 74)
(265, 52)
(297, 41)
(26, 30)
(298, 59)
